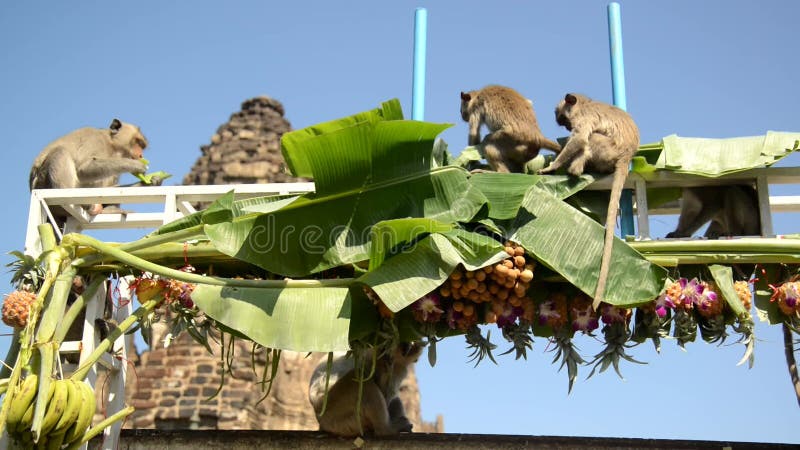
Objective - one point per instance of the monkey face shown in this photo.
(564, 109)
(465, 99)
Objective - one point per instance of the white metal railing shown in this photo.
(762, 178)
(174, 202)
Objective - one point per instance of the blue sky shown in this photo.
(179, 69)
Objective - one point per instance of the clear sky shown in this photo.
(179, 69)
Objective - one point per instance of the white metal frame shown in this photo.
(177, 202)
(762, 178)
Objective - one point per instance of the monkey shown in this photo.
(381, 410)
(733, 211)
(603, 139)
(514, 137)
(90, 157)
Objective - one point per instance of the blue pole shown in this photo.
(618, 92)
(418, 82)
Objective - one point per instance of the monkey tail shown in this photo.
(550, 145)
(620, 174)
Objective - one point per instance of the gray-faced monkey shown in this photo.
(381, 410)
(603, 139)
(732, 210)
(90, 157)
(514, 136)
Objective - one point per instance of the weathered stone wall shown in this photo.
(246, 149)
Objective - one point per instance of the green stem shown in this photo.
(145, 242)
(673, 259)
(47, 352)
(11, 356)
(120, 255)
(54, 311)
(52, 264)
(75, 309)
(106, 344)
(97, 429)
(745, 245)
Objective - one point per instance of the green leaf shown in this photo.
(220, 210)
(571, 243)
(723, 277)
(505, 191)
(318, 232)
(147, 178)
(408, 276)
(238, 208)
(294, 144)
(768, 310)
(388, 234)
(297, 319)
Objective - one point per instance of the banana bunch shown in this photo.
(70, 409)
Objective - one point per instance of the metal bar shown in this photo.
(418, 81)
(764, 211)
(618, 92)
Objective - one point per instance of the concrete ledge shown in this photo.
(313, 440)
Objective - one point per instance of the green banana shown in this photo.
(26, 421)
(85, 416)
(21, 401)
(55, 408)
(74, 400)
(55, 440)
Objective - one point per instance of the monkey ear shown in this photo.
(115, 126)
(570, 99)
(465, 96)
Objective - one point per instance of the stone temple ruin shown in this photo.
(170, 387)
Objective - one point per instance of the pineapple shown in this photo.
(709, 304)
(16, 307)
(743, 291)
(553, 310)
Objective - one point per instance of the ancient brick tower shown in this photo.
(171, 385)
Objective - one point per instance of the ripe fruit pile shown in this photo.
(492, 294)
(69, 412)
(16, 307)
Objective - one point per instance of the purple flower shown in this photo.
(427, 309)
(584, 319)
(663, 303)
(791, 293)
(612, 314)
(691, 291)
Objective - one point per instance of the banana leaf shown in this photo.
(237, 208)
(715, 157)
(367, 168)
(410, 275)
(723, 277)
(320, 232)
(297, 319)
(389, 234)
(571, 244)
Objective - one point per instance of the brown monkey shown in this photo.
(514, 137)
(603, 138)
(382, 412)
(732, 210)
(90, 157)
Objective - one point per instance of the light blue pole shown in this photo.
(618, 92)
(418, 83)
